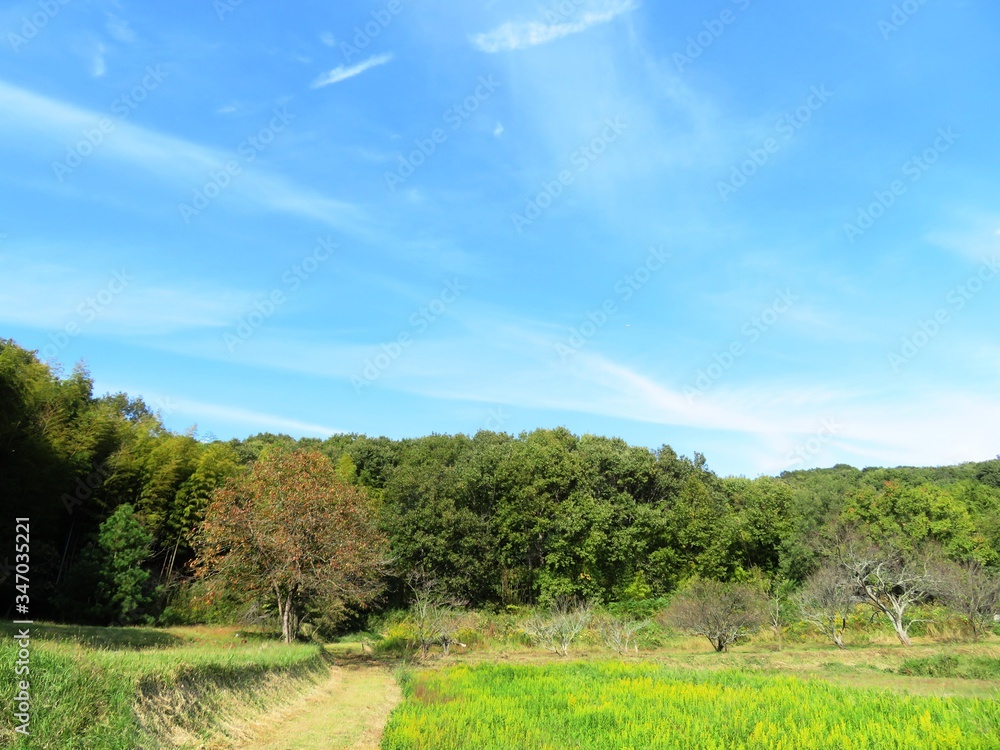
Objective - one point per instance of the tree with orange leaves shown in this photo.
(292, 530)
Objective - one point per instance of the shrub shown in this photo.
(722, 612)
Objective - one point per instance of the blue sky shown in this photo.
(768, 232)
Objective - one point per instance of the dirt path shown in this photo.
(347, 711)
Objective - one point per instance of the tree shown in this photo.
(291, 530)
(620, 634)
(557, 629)
(722, 612)
(826, 600)
(972, 591)
(435, 616)
(777, 591)
(124, 545)
(890, 580)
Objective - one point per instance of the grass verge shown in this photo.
(128, 688)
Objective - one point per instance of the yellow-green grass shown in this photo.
(598, 705)
(348, 710)
(124, 688)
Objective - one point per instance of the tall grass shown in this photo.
(605, 706)
(128, 688)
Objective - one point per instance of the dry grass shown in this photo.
(348, 710)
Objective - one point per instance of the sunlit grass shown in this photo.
(123, 688)
(643, 705)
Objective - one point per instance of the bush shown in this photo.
(946, 665)
(398, 639)
(557, 629)
(722, 612)
(638, 610)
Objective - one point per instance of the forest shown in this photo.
(116, 501)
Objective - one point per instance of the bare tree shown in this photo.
(451, 625)
(722, 612)
(435, 616)
(777, 591)
(620, 634)
(826, 601)
(890, 581)
(972, 591)
(558, 628)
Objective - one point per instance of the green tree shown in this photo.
(124, 546)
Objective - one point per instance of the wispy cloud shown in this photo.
(98, 66)
(50, 295)
(258, 420)
(343, 72)
(515, 35)
(170, 159)
(120, 29)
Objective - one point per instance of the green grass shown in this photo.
(123, 688)
(605, 705)
(953, 665)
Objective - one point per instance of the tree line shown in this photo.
(118, 506)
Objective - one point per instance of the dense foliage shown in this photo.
(116, 500)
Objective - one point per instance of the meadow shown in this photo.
(227, 687)
(614, 705)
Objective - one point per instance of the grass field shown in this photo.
(124, 688)
(615, 705)
(221, 689)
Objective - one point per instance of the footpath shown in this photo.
(347, 711)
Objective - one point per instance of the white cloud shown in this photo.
(970, 235)
(515, 35)
(328, 39)
(51, 296)
(498, 130)
(98, 66)
(343, 72)
(120, 29)
(182, 163)
(258, 420)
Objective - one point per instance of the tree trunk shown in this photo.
(838, 640)
(901, 633)
(289, 622)
(62, 563)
